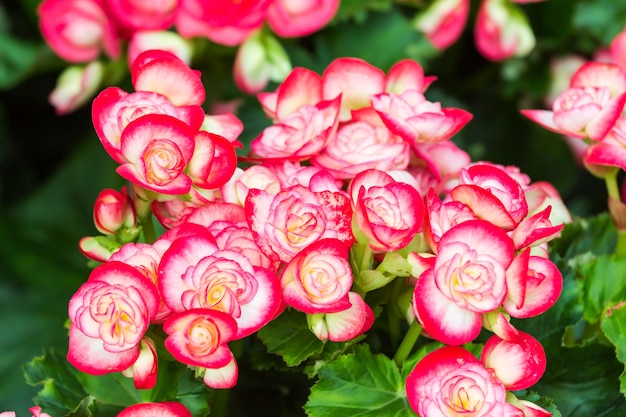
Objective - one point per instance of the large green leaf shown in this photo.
(359, 384)
(604, 283)
(614, 327)
(289, 336)
(67, 392)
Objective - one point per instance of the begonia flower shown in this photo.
(516, 357)
(318, 278)
(296, 217)
(296, 18)
(224, 22)
(113, 210)
(163, 409)
(355, 80)
(450, 381)
(467, 280)
(78, 30)
(145, 258)
(75, 86)
(199, 337)
(300, 135)
(135, 15)
(389, 213)
(224, 377)
(590, 107)
(109, 315)
(492, 194)
(113, 109)
(443, 21)
(358, 146)
(301, 87)
(163, 72)
(213, 161)
(407, 74)
(156, 150)
(502, 31)
(195, 274)
(417, 120)
(542, 286)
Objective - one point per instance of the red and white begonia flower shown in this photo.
(199, 337)
(296, 217)
(109, 315)
(318, 278)
(450, 381)
(78, 30)
(417, 120)
(195, 274)
(388, 212)
(467, 279)
(163, 409)
(516, 357)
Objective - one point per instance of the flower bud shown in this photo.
(75, 86)
(260, 58)
(113, 211)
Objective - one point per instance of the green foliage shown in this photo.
(67, 392)
(289, 336)
(359, 384)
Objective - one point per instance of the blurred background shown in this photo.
(52, 167)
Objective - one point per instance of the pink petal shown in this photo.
(183, 253)
(545, 118)
(543, 287)
(302, 86)
(296, 18)
(165, 409)
(222, 378)
(441, 317)
(606, 155)
(355, 80)
(484, 205)
(87, 354)
(165, 73)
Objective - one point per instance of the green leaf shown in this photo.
(594, 234)
(613, 325)
(289, 336)
(604, 283)
(62, 391)
(17, 59)
(359, 384)
(68, 392)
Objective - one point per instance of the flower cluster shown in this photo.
(81, 31)
(355, 184)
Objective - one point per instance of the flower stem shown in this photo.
(149, 234)
(620, 248)
(408, 342)
(611, 186)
